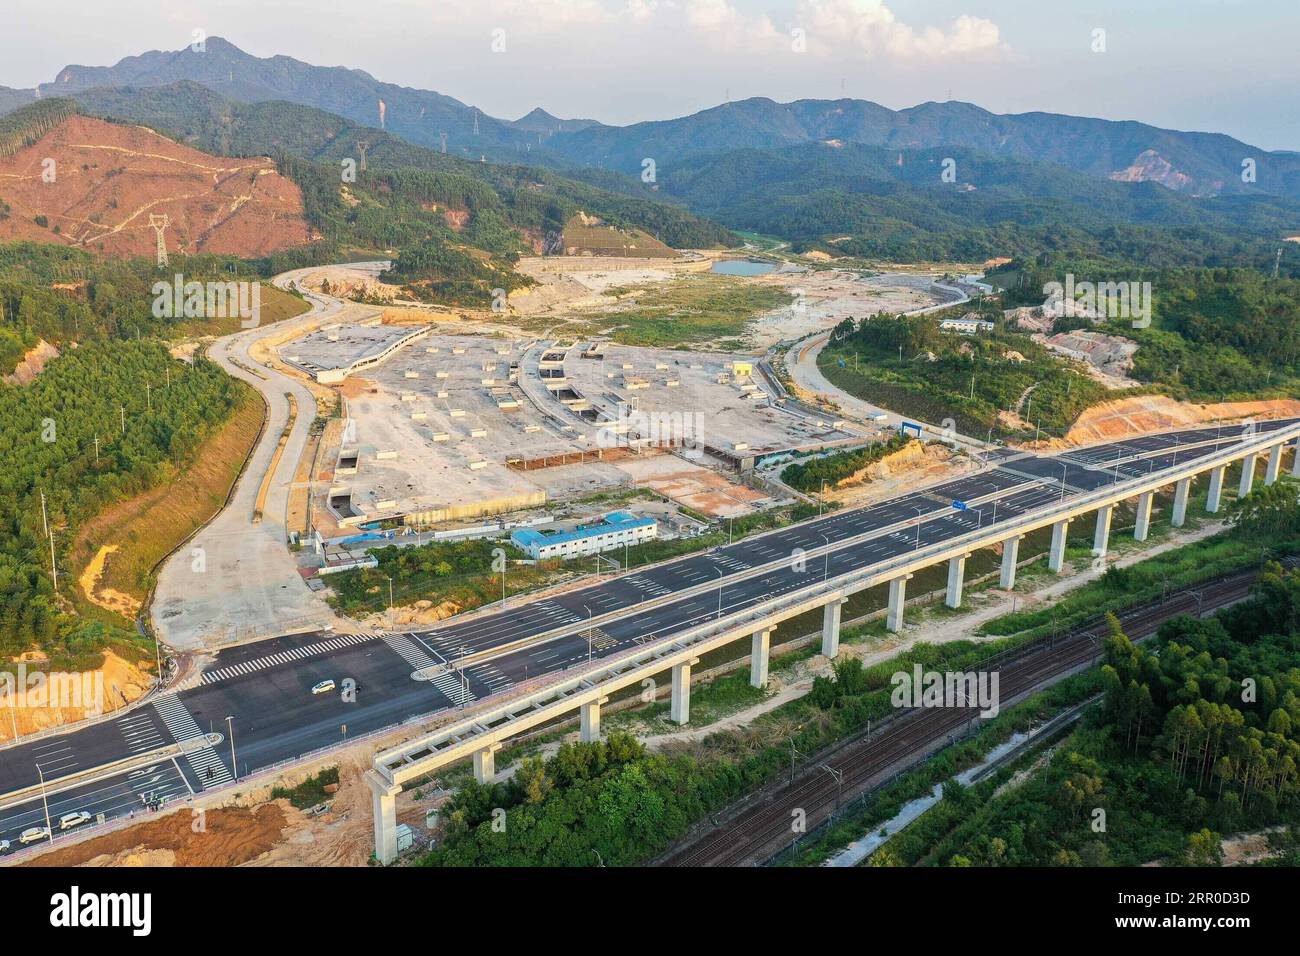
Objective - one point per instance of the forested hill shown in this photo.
(86, 433)
(195, 115)
(417, 115)
(1202, 164)
(1197, 163)
(899, 204)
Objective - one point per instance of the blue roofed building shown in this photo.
(615, 530)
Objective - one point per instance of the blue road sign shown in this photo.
(959, 505)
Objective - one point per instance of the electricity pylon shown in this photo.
(160, 224)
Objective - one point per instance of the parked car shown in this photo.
(324, 687)
(74, 819)
(32, 834)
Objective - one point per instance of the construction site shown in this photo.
(442, 431)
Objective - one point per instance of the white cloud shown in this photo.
(870, 27)
(834, 27)
(721, 25)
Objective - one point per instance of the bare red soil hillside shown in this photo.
(108, 178)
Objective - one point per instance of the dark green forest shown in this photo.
(48, 433)
(1198, 736)
(1215, 334)
(908, 364)
(894, 205)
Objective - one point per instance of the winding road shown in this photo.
(236, 578)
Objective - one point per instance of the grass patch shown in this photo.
(277, 305)
(1121, 587)
(455, 572)
(691, 310)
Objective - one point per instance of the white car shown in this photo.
(324, 687)
(74, 819)
(4, 846)
(32, 834)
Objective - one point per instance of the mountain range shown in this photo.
(937, 182)
(1200, 164)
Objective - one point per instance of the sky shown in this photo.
(1226, 66)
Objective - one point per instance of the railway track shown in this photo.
(760, 826)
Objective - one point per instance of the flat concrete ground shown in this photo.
(237, 578)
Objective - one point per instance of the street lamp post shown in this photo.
(49, 830)
(919, 512)
(230, 732)
(588, 609)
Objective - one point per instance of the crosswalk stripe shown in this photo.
(276, 659)
(450, 684)
(207, 766)
(409, 651)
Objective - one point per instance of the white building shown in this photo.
(966, 325)
(616, 530)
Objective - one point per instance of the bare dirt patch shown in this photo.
(112, 177)
(692, 485)
(124, 682)
(917, 464)
(230, 836)
(1143, 413)
(32, 364)
(107, 598)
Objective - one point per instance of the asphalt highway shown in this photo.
(266, 688)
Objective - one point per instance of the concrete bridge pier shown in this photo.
(485, 763)
(589, 720)
(384, 804)
(680, 709)
(1056, 557)
(1143, 526)
(760, 652)
(1214, 499)
(1247, 475)
(831, 628)
(1101, 537)
(1181, 492)
(897, 598)
(1010, 557)
(956, 578)
(1274, 464)
(1295, 463)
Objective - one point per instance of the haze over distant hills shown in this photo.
(846, 177)
(1201, 164)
